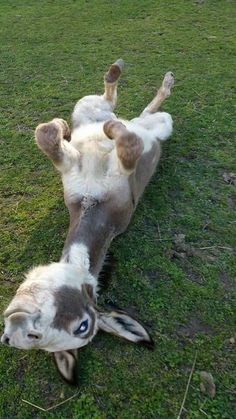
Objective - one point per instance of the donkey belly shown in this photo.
(97, 173)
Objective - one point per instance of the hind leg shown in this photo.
(97, 108)
(162, 94)
(158, 123)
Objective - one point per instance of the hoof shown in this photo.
(65, 127)
(168, 81)
(114, 71)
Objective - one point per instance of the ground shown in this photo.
(176, 264)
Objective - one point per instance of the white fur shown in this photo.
(91, 140)
(37, 294)
(91, 109)
(70, 157)
(100, 173)
(79, 256)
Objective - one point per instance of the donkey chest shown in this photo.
(94, 180)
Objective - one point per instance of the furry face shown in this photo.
(50, 312)
(55, 316)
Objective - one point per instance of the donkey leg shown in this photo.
(111, 80)
(52, 139)
(159, 124)
(97, 108)
(129, 146)
(161, 95)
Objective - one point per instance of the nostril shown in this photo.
(6, 340)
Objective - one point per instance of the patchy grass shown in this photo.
(176, 263)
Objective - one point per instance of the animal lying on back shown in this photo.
(105, 164)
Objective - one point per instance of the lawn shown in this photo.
(176, 264)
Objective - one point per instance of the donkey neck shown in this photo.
(91, 229)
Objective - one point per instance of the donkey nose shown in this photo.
(5, 339)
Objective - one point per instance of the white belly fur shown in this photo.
(99, 174)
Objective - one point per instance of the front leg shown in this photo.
(52, 138)
(129, 146)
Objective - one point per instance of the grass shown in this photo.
(52, 53)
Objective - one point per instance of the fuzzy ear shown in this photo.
(66, 363)
(121, 324)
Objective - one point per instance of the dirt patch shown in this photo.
(183, 251)
(194, 326)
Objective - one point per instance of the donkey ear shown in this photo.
(121, 324)
(66, 363)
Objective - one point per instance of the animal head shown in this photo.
(55, 310)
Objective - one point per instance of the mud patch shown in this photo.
(182, 252)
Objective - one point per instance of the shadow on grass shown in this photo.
(46, 242)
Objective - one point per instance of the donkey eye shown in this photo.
(82, 328)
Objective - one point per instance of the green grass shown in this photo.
(52, 53)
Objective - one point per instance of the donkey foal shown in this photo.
(105, 164)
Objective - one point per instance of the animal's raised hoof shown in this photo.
(120, 64)
(168, 81)
(114, 71)
(65, 128)
(47, 133)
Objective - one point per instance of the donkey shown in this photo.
(105, 164)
